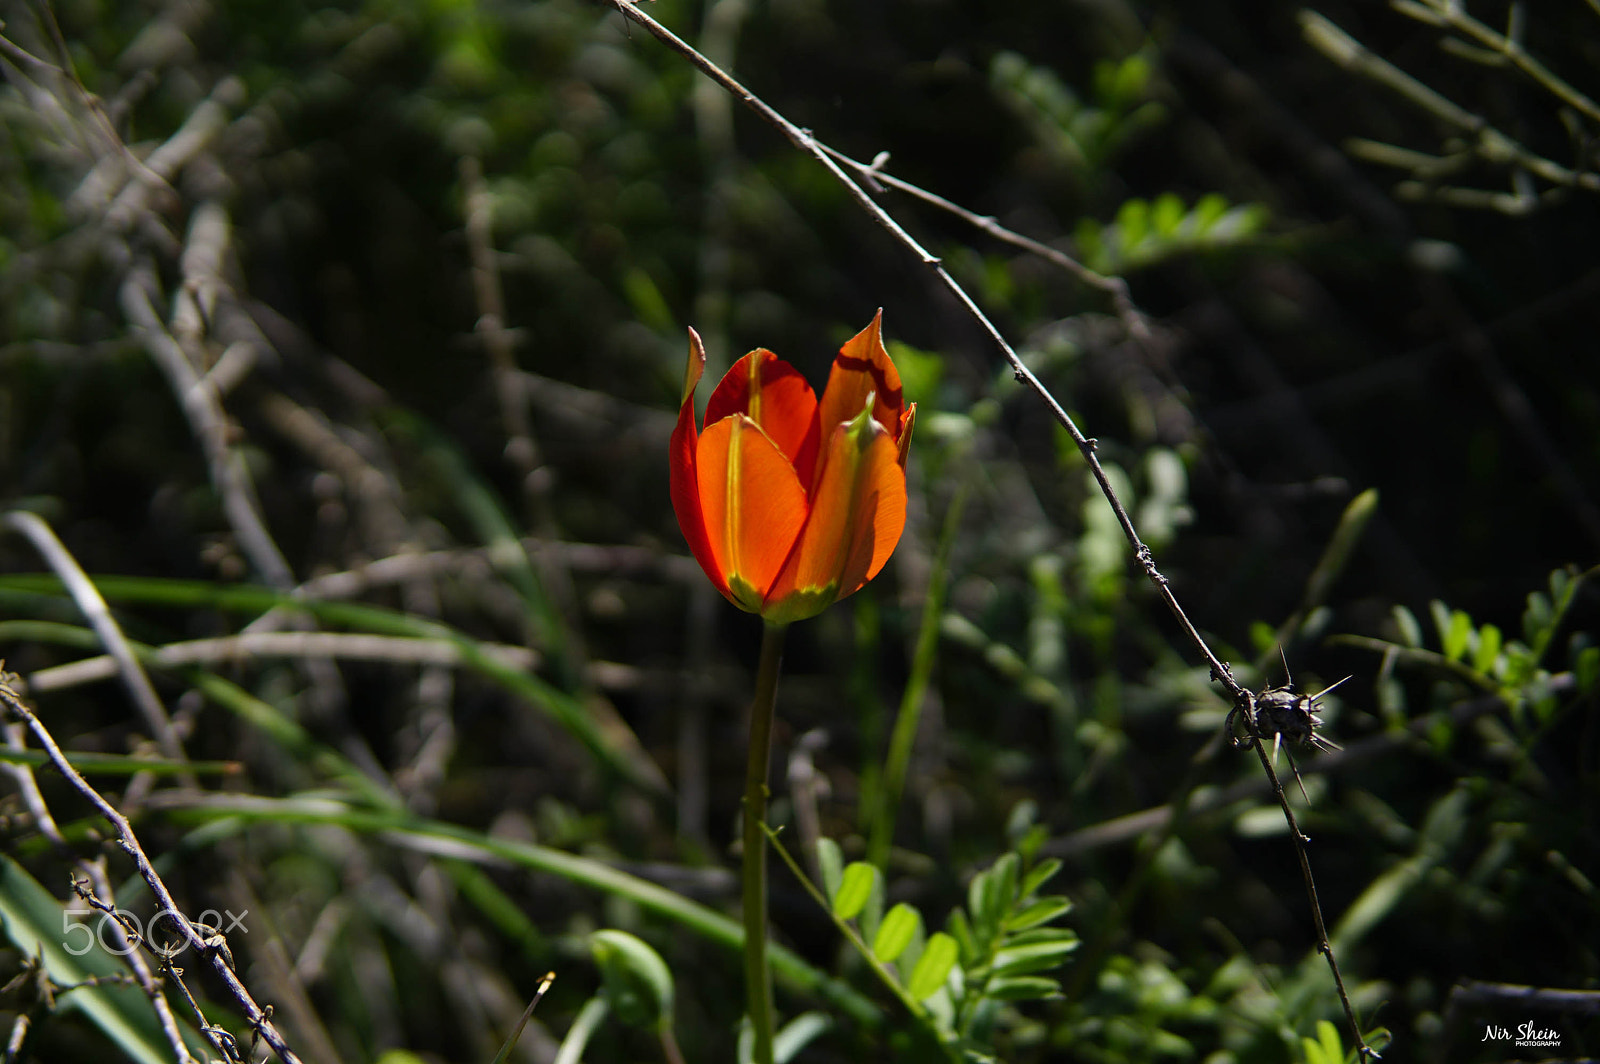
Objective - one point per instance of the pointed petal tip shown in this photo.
(694, 368)
(908, 421)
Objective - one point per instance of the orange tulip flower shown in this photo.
(789, 504)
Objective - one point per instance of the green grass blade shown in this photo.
(123, 765)
(612, 742)
(35, 922)
(451, 841)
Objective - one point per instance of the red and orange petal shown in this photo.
(775, 396)
(684, 477)
(908, 421)
(863, 368)
(752, 505)
(858, 510)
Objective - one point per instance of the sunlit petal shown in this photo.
(862, 368)
(775, 396)
(685, 480)
(858, 512)
(753, 506)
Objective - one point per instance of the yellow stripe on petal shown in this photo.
(753, 505)
(775, 396)
(858, 510)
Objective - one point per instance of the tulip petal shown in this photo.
(858, 510)
(907, 421)
(685, 479)
(775, 396)
(863, 368)
(753, 506)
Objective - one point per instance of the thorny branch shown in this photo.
(1220, 671)
(873, 174)
(260, 1019)
(1324, 946)
(95, 870)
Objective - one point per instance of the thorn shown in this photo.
(1328, 688)
(1298, 780)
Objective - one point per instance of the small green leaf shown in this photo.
(638, 984)
(1006, 870)
(933, 967)
(908, 958)
(1518, 665)
(1536, 619)
(1488, 649)
(961, 932)
(1587, 668)
(855, 887)
(1133, 222)
(1455, 635)
(1042, 934)
(1237, 223)
(1133, 73)
(895, 933)
(1207, 212)
(1041, 874)
(831, 863)
(1441, 618)
(1025, 960)
(1039, 912)
(872, 912)
(1326, 1047)
(1032, 842)
(1022, 988)
(1167, 214)
(989, 897)
(978, 892)
(1410, 630)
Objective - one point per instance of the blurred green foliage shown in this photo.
(540, 770)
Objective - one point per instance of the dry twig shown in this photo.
(259, 1019)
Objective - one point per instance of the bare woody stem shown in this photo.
(258, 1018)
(757, 976)
(1324, 946)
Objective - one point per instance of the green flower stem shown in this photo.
(757, 977)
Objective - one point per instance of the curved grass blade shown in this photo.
(34, 921)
